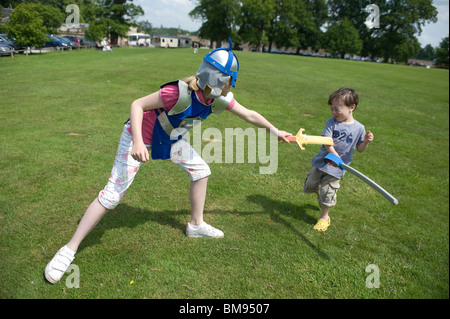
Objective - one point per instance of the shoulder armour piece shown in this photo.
(184, 98)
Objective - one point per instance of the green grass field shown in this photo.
(61, 117)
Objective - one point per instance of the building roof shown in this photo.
(6, 12)
(172, 37)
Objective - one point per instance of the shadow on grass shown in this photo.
(125, 216)
(276, 209)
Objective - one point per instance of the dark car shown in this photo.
(6, 49)
(11, 42)
(53, 41)
(72, 38)
(6, 41)
(69, 42)
(77, 40)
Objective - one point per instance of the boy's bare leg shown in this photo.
(325, 209)
(324, 214)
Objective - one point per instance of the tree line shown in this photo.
(340, 27)
(32, 20)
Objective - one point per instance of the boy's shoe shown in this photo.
(203, 230)
(56, 268)
(322, 225)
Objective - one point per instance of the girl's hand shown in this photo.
(139, 152)
(282, 136)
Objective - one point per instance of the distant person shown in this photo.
(106, 45)
(153, 121)
(98, 46)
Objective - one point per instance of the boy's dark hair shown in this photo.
(347, 95)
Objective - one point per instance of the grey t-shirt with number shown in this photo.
(346, 137)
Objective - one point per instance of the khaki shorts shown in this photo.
(326, 185)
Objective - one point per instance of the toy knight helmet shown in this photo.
(216, 69)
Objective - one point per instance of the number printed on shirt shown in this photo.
(342, 136)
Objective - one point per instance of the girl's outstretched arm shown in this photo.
(257, 119)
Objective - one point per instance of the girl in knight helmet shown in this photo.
(153, 120)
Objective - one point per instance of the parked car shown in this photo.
(89, 42)
(74, 39)
(53, 41)
(4, 40)
(6, 49)
(69, 42)
(11, 42)
(80, 41)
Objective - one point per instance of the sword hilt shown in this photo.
(334, 160)
(303, 139)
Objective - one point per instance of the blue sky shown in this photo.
(434, 33)
(175, 13)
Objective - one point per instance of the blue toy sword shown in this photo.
(337, 161)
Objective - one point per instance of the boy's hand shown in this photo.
(368, 137)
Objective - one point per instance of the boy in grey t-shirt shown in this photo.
(348, 134)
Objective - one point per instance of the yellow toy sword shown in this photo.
(303, 139)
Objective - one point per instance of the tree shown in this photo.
(51, 16)
(255, 20)
(400, 21)
(397, 46)
(310, 16)
(58, 4)
(26, 26)
(283, 32)
(145, 26)
(12, 3)
(288, 23)
(427, 53)
(49, 11)
(113, 19)
(343, 38)
(442, 55)
(219, 19)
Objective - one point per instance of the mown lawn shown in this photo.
(61, 117)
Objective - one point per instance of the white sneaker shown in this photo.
(203, 230)
(56, 268)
